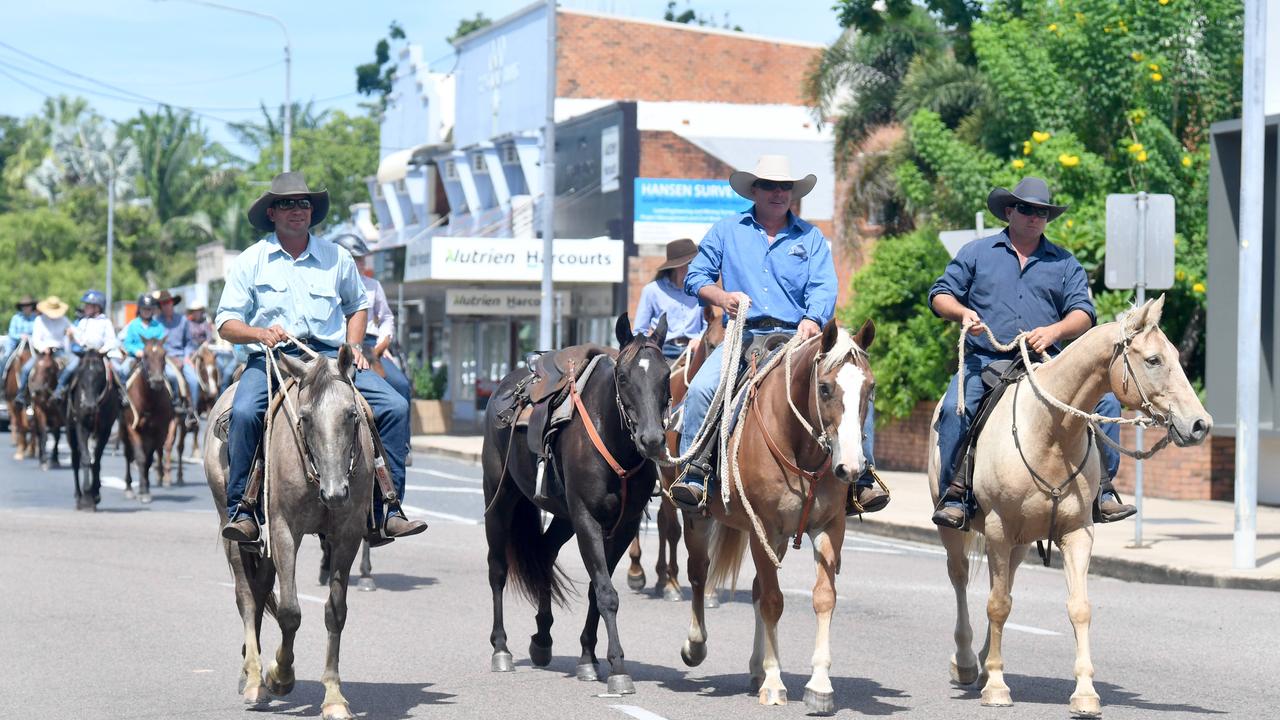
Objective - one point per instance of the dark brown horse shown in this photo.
(24, 441)
(92, 409)
(669, 523)
(147, 420)
(605, 458)
(791, 459)
(48, 412)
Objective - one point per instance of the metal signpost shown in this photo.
(546, 335)
(1139, 256)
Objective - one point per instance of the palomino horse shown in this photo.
(605, 458)
(147, 420)
(1017, 472)
(47, 412)
(23, 434)
(91, 412)
(320, 465)
(803, 449)
(669, 524)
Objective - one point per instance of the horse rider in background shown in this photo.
(20, 326)
(382, 322)
(92, 332)
(142, 328)
(202, 333)
(665, 294)
(48, 332)
(179, 347)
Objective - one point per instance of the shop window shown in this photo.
(451, 170)
(509, 154)
(478, 165)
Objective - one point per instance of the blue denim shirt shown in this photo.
(310, 296)
(684, 314)
(178, 342)
(790, 279)
(986, 278)
(19, 325)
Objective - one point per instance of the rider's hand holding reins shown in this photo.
(807, 329)
(271, 336)
(358, 359)
(1043, 338)
(732, 301)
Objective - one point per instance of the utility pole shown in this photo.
(546, 334)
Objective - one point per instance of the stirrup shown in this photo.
(685, 503)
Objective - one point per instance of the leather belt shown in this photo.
(768, 323)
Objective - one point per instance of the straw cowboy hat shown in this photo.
(24, 300)
(163, 295)
(285, 185)
(1032, 191)
(52, 307)
(679, 253)
(772, 167)
(196, 305)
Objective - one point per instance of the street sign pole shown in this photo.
(1140, 289)
(546, 336)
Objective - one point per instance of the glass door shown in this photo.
(494, 358)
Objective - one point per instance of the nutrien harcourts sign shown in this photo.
(508, 260)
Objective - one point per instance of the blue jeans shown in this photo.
(395, 376)
(226, 362)
(25, 374)
(702, 390)
(390, 412)
(951, 427)
(64, 377)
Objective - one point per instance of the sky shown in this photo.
(224, 64)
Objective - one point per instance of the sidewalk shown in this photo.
(1185, 542)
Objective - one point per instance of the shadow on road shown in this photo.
(1057, 691)
(388, 701)
(395, 582)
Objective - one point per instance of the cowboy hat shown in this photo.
(679, 253)
(1032, 191)
(163, 295)
(772, 167)
(196, 305)
(24, 300)
(52, 307)
(290, 184)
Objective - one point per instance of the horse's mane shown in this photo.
(843, 347)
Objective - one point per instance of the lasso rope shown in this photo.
(273, 373)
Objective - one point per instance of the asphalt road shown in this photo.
(128, 613)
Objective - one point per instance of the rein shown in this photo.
(624, 475)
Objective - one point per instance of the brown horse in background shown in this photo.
(667, 568)
(205, 361)
(147, 420)
(24, 441)
(48, 413)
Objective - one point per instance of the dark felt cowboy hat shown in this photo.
(286, 185)
(25, 300)
(1032, 191)
(163, 295)
(772, 167)
(679, 253)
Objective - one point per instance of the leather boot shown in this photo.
(689, 491)
(1107, 507)
(397, 526)
(243, 527)
(868, 498)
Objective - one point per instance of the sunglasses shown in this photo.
(1029, 210)
(291, 203)
(771, 185)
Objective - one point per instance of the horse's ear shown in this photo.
(1144, 317)
(1154, 312)
(659, 333)
(292, 365)
(347, 361)
(830, 333)
(866, 334)
(623, 329)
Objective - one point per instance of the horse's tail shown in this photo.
(252, 562)
(533, 568)
(727, 547)
(975, 549)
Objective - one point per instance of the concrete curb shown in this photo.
(1120, 568)
(431, 449)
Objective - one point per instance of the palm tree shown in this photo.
(264, 134)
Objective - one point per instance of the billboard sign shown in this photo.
(666, 208)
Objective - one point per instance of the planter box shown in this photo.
(431, 417)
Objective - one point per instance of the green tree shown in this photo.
(466, 26)
(691, 17)
(375, 78)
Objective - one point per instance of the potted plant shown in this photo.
(431, 415)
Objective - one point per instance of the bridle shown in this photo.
(1121, 349)
(625, 357)
(310, 469)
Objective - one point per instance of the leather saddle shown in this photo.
(997, 377)
(533, 399)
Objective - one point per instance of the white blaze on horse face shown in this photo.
(644, 364)
(848, 449)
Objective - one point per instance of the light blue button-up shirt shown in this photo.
(310, 296)
(790, 279)
(684, 314)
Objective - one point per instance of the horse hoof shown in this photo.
(145, 499)
(256, 696)
(773, 696)
(997, 698)
(539, 655)
(820, 703)
(636, 582)
(586, 672)
(756, 684)
(366, 584)
(1086, 706)
(336, 711)
(963, 675)
(44, 466)
(502, 662)
(277, 685)
(672, 594)
(693, 653)
(621, 685)
(712, 600)
(128, 494)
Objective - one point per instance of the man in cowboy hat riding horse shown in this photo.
(783, 266)
(1010, 282)
(294, 283)
(665, 294)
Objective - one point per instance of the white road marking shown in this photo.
(445, 475)
(112, 481)
(902, 546)
(440, 515)
(301, 596)
(1029, 629)
(875, 550)
(638, 713)
(445, 489)
(797, 591)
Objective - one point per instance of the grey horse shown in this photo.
(333, 503)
